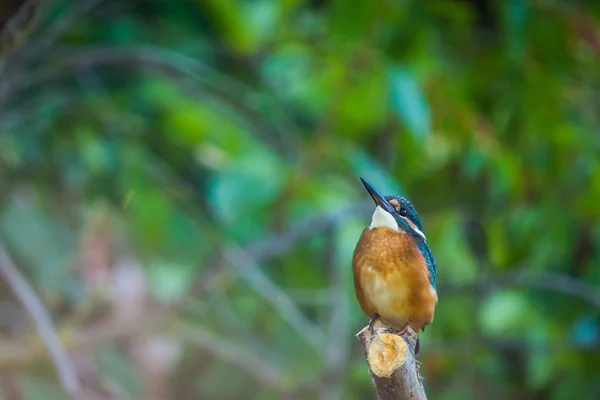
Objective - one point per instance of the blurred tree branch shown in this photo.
(23, 353)
(15, 355)
(263, 370)
(247, 268)
(281, 242)
(34, 306)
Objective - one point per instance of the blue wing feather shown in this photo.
(430, 259)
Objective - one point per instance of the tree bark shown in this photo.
(392, 364)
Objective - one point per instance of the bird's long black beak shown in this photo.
(378, 198)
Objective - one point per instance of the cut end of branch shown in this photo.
(386, 353)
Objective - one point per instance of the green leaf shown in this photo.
(409, 102)
(247, 183)
(504, 312)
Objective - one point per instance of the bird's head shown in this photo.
(394, 212)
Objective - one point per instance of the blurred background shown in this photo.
(179, 188)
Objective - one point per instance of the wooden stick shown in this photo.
(392, 364)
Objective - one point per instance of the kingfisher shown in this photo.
(394, 268)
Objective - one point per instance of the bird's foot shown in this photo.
(400, 332)
(374, 318)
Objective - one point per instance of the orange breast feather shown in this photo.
(391, 279)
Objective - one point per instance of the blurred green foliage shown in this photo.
(202, 157)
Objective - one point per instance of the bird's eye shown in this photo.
(403, 212)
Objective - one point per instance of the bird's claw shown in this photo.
(400, 332)
(387, 329)
(372, 323)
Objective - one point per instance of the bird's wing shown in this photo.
(430, 259)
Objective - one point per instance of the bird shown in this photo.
(394, 269)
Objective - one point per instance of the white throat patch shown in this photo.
(382, 218)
